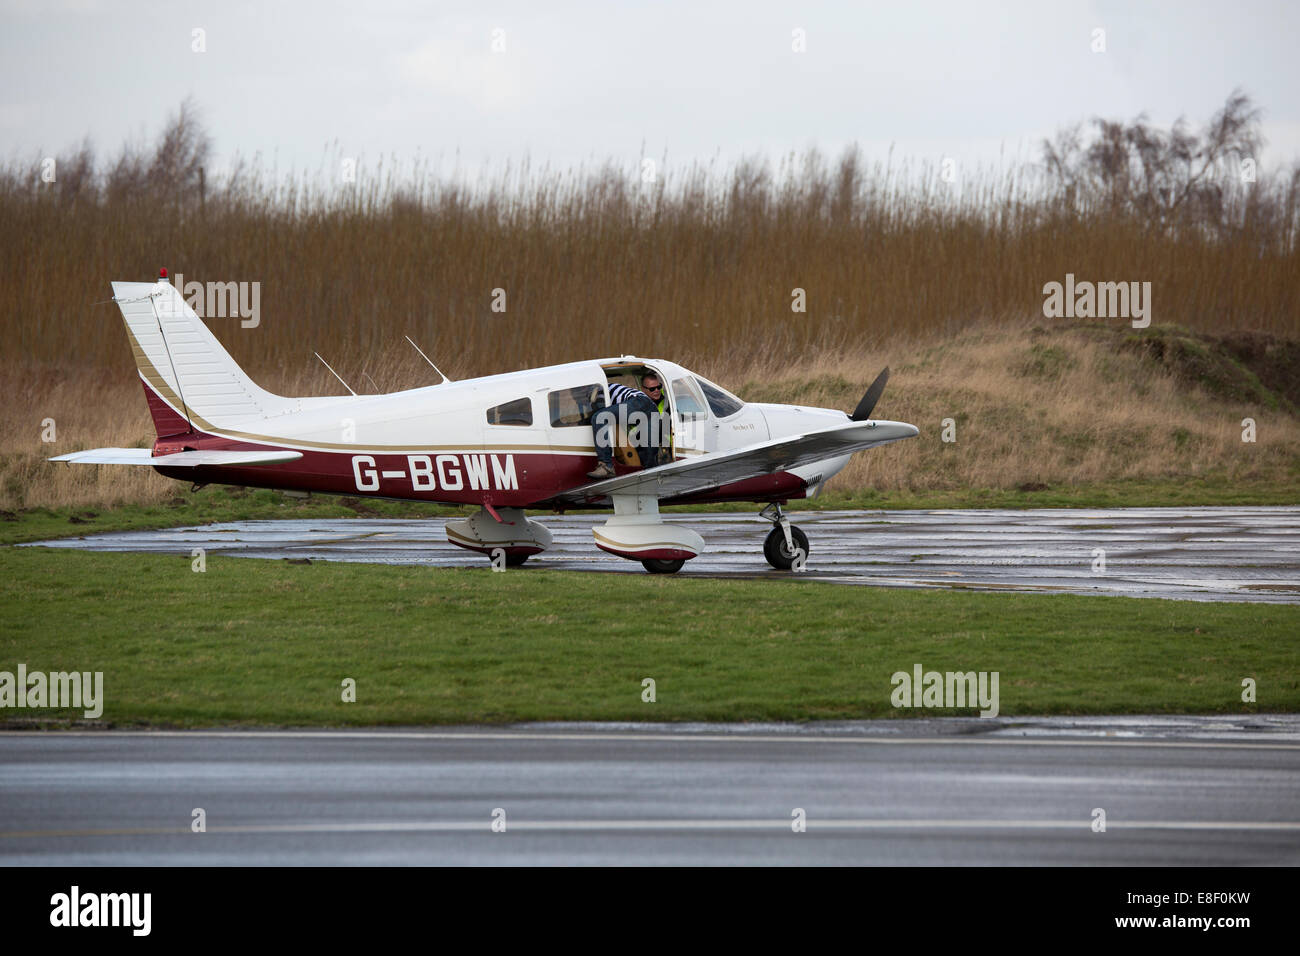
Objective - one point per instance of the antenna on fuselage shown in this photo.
(445, 379)
(334, 373)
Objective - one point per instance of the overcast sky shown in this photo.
(583, 82)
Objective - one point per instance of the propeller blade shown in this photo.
(868, 403)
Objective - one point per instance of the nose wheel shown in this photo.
(785, 545)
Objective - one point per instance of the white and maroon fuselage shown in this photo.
(502, 442)
(436, 444)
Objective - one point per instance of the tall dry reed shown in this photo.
(597, 262)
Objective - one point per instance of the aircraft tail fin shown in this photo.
(191, 382)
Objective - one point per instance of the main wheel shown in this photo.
(776, 552)
(660, 566)
(515, 560)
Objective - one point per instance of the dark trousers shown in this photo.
(605, 423)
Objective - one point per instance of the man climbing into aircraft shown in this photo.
(626, 402)
(655, 450)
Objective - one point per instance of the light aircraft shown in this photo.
(502, 442)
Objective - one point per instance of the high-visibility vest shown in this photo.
(666, 422)
(663, 421)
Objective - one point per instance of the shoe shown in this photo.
(602, 471)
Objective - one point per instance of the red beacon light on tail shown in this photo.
(162, 274)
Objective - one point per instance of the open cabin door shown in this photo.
(694, 431)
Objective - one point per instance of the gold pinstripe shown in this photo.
(675, 545)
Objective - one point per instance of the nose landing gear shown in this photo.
(785, 545)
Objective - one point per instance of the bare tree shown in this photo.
(174, 172)
(1165, 178)
(181, 154)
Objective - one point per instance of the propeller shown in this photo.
(868, 403)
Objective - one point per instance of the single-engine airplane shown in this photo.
(502, 442)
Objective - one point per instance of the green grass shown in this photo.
(208, 506)
(269, 643)
(217, 504)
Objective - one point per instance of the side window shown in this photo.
(689, 402)
(722, 403)
(518, 412)
(572, 406)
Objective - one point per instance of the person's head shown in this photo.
(652, 386)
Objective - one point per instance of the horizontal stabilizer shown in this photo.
(181, 459)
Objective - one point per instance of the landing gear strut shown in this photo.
(786, 545)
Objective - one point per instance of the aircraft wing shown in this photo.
(694, 475)
(181, 459)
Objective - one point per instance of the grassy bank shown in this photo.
(268, 643)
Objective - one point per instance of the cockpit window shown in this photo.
(721, 401)
(687, 399)
(572, 406)
(518, 412)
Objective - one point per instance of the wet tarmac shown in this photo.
(1201, 554)
(950, 791)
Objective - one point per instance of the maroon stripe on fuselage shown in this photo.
(511, 479)
(778, 486)
(504, 479)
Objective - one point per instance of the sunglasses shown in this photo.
(654, 388)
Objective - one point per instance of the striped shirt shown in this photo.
(618, 394)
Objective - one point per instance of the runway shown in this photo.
(1185, 790)
(1206, 554)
